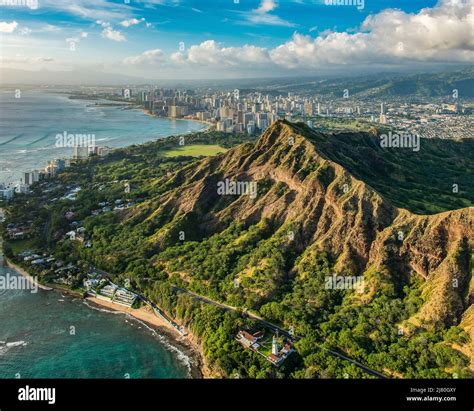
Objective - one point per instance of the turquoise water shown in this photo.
(29, 125)
(105, 344)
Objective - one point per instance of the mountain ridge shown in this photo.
(331, 211)
(312, 219)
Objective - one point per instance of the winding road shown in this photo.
(275, 327)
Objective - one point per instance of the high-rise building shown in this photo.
(80, 153)
(203, 115)
(177, 111)
(57, 165)
(262, 121)
(249, 117)
(27, 178)
(31, 177)
(225, 125)
(272, 117)
(239, 128)
(383, 118)
(226, 112)
(240, 116)
(308, 108)
(143, 96)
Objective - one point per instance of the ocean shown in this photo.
(36, 338)
(29, 125)
(37, 341)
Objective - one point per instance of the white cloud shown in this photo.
(212, 53)
(108, 31)
(268, 19)
(149, 57)
(442, 33)
(266, 6)
(102, 23)
(50, 28)
(90, 9)
(390, 39)
(132, 22)
(8, 27)
(260, 15)
(114, 35)
(72, 40)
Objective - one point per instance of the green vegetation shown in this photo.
(19, 246)
(422, 182)
(250, 265)
(195, 151)
(331, 124)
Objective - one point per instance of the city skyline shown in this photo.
(175, 39)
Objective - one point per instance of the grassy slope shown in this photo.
(195, 151)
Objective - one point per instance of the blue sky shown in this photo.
(224, 38)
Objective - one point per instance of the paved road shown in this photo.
(275, 327)
(268, 324)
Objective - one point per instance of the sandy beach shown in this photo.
(207, 123)
(187, 343)
(25, 274)
(143, 313)
(146, 315)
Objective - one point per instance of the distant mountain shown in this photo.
(425, 85)
(379, 85)
(375, 85)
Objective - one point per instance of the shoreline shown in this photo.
(207, 123)
(144, 111)
(144, 314)
(184, 344)
(25, 274)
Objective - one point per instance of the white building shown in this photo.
(22, 188)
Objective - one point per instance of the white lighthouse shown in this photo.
(275, 346)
